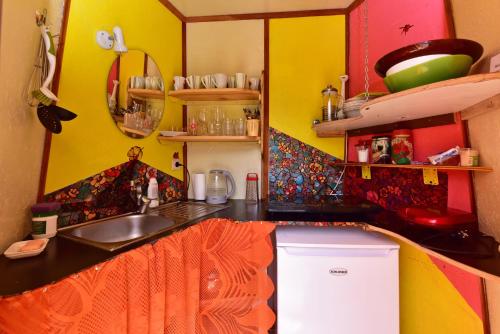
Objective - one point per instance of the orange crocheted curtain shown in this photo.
(209, 278)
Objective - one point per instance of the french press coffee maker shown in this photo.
(330, 96)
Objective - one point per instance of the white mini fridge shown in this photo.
(336, 281)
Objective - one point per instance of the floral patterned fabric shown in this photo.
(108, 193)
(298, 169)
(396, 188)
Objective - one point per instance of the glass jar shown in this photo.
(381, 150)
(329, 103)
(402, 147)
(363, 150)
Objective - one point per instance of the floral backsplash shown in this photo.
(396, 188)
(108, 193)
(298, 169)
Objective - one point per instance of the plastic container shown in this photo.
(469, 157)
(44, 221)
(401, 147)
(153, 193)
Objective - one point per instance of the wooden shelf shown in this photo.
(444, 97)
(462, 168)
(135, 131)
(145, 94)
(210, 139)
(215, 95)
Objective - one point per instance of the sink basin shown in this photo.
(119, 232)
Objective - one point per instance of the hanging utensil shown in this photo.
(62, 114)
(49, 119)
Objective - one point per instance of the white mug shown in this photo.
(179, 82)
(207, 81)
(155, 83)
(254, 83)
(231, 82)
(219, 80)
(241, 79)
(193, 81)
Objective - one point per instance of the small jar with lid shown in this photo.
(402, 147)
(44, 221)
(381, 150)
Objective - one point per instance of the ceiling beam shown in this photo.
(173, 10)
(354, 5)
(260, 16)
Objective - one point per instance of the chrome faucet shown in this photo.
(142, 201)
(143, 209)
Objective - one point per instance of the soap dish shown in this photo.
(14, 251)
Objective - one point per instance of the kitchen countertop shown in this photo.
(64, 257)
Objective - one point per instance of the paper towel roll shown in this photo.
(199, 186)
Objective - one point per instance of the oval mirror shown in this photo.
(136, 94)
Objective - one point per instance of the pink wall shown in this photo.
(428, 18)
(113, 75)
(429, 141)
(384, 19)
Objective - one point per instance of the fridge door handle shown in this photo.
(341, 252)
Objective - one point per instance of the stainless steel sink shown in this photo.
(119, 232)
(115, 233)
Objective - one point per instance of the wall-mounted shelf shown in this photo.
(210, 139)
(358, 164)
(439, 98)
(429, 172)
(216, 96)
(135, 131)
(144, 94)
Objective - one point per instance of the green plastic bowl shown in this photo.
(445, 68)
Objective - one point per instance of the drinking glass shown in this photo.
(192, 125)
(228, 129)
(202, 122)
(211, 128)
(239, 126)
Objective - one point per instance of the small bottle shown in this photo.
(153, 193)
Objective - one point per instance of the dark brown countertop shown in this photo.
(63, 257)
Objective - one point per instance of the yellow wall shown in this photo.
(91, 142)
(227, 47)
(305, 55)
(22, 135)
(478, 20)
(429, 303)
(131, 64)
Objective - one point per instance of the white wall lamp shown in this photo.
(106, 41)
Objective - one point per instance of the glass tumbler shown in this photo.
(239, 126)
(228, 129)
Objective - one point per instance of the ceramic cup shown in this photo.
(207, 81)
(193, 81)
(147, 83)
(219, 80)
(254, 83)
(155, 83)
(137, 82)
(179, 82)
(231, 81)
(241, 79)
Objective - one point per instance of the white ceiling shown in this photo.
(224, 7)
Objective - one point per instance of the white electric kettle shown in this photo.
(217, 186)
